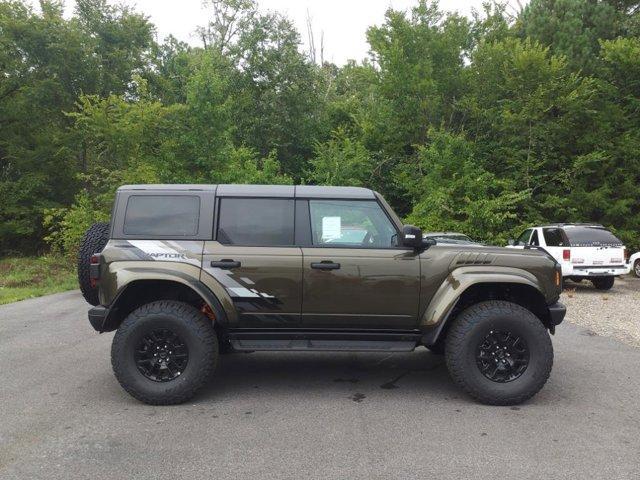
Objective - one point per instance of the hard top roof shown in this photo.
(287, 191)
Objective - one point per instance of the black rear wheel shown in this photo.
(603, 283)
(636, 268)
(94, 240)
(499, 353)
(164, 352)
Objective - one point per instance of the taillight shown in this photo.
(566, 255)
(94, 269)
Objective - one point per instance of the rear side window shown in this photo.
(162, 215)
(256, 222)
(553, 237)
(591, 236)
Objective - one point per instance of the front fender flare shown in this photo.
(457, 282)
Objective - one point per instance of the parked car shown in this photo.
(451, 237)
(585, 251)
(634, 264)
(186, 272)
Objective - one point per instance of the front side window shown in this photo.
(523, 239)
(162, 215)
(256, 222)
(350, 223)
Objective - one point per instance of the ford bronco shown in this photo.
(184, 273)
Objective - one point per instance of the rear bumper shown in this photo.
(600, 271)
(557, 311)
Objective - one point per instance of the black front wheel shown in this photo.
(164, 352)
(499, 352)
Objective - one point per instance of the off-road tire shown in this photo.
(193, 328)
(636, 268)
(467, 334)
(603, 283)
(94, 240)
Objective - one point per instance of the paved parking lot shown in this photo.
(270, 415)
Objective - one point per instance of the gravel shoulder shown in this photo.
(612, 313)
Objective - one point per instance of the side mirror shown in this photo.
(511, 242)
(411, 236)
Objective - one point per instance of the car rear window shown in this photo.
(591, 236)
(256, 222)
(162, 215)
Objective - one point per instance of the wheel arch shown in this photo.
(461, 289)
(142, 291)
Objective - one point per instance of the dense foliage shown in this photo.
(482, 125)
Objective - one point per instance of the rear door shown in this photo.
(354, 274)
(555, 242)
(254, 258)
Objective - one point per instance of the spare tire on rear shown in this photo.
(93, 242)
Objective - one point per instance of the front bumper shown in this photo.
(557, 311)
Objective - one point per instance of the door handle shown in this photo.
(225, 264)
(325, 265)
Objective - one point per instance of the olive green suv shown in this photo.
(184, 273)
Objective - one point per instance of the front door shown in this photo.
(354, 274)
(255, 260)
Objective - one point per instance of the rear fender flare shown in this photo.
(128, 274)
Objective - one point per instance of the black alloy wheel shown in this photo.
(161, 355)
(502, 356)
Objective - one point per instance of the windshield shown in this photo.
(591, 236)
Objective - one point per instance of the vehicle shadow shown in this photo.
(307, 373)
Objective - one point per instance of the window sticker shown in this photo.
(331, 228)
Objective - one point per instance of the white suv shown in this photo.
(583, 250)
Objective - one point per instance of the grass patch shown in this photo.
(28, 277)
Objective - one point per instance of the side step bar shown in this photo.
(324, 341)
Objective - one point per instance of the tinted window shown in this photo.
(162, 215)
(587, 236)
(350, 223)
(256, 221)
(553, 237)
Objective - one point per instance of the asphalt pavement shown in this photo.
(305, 415)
